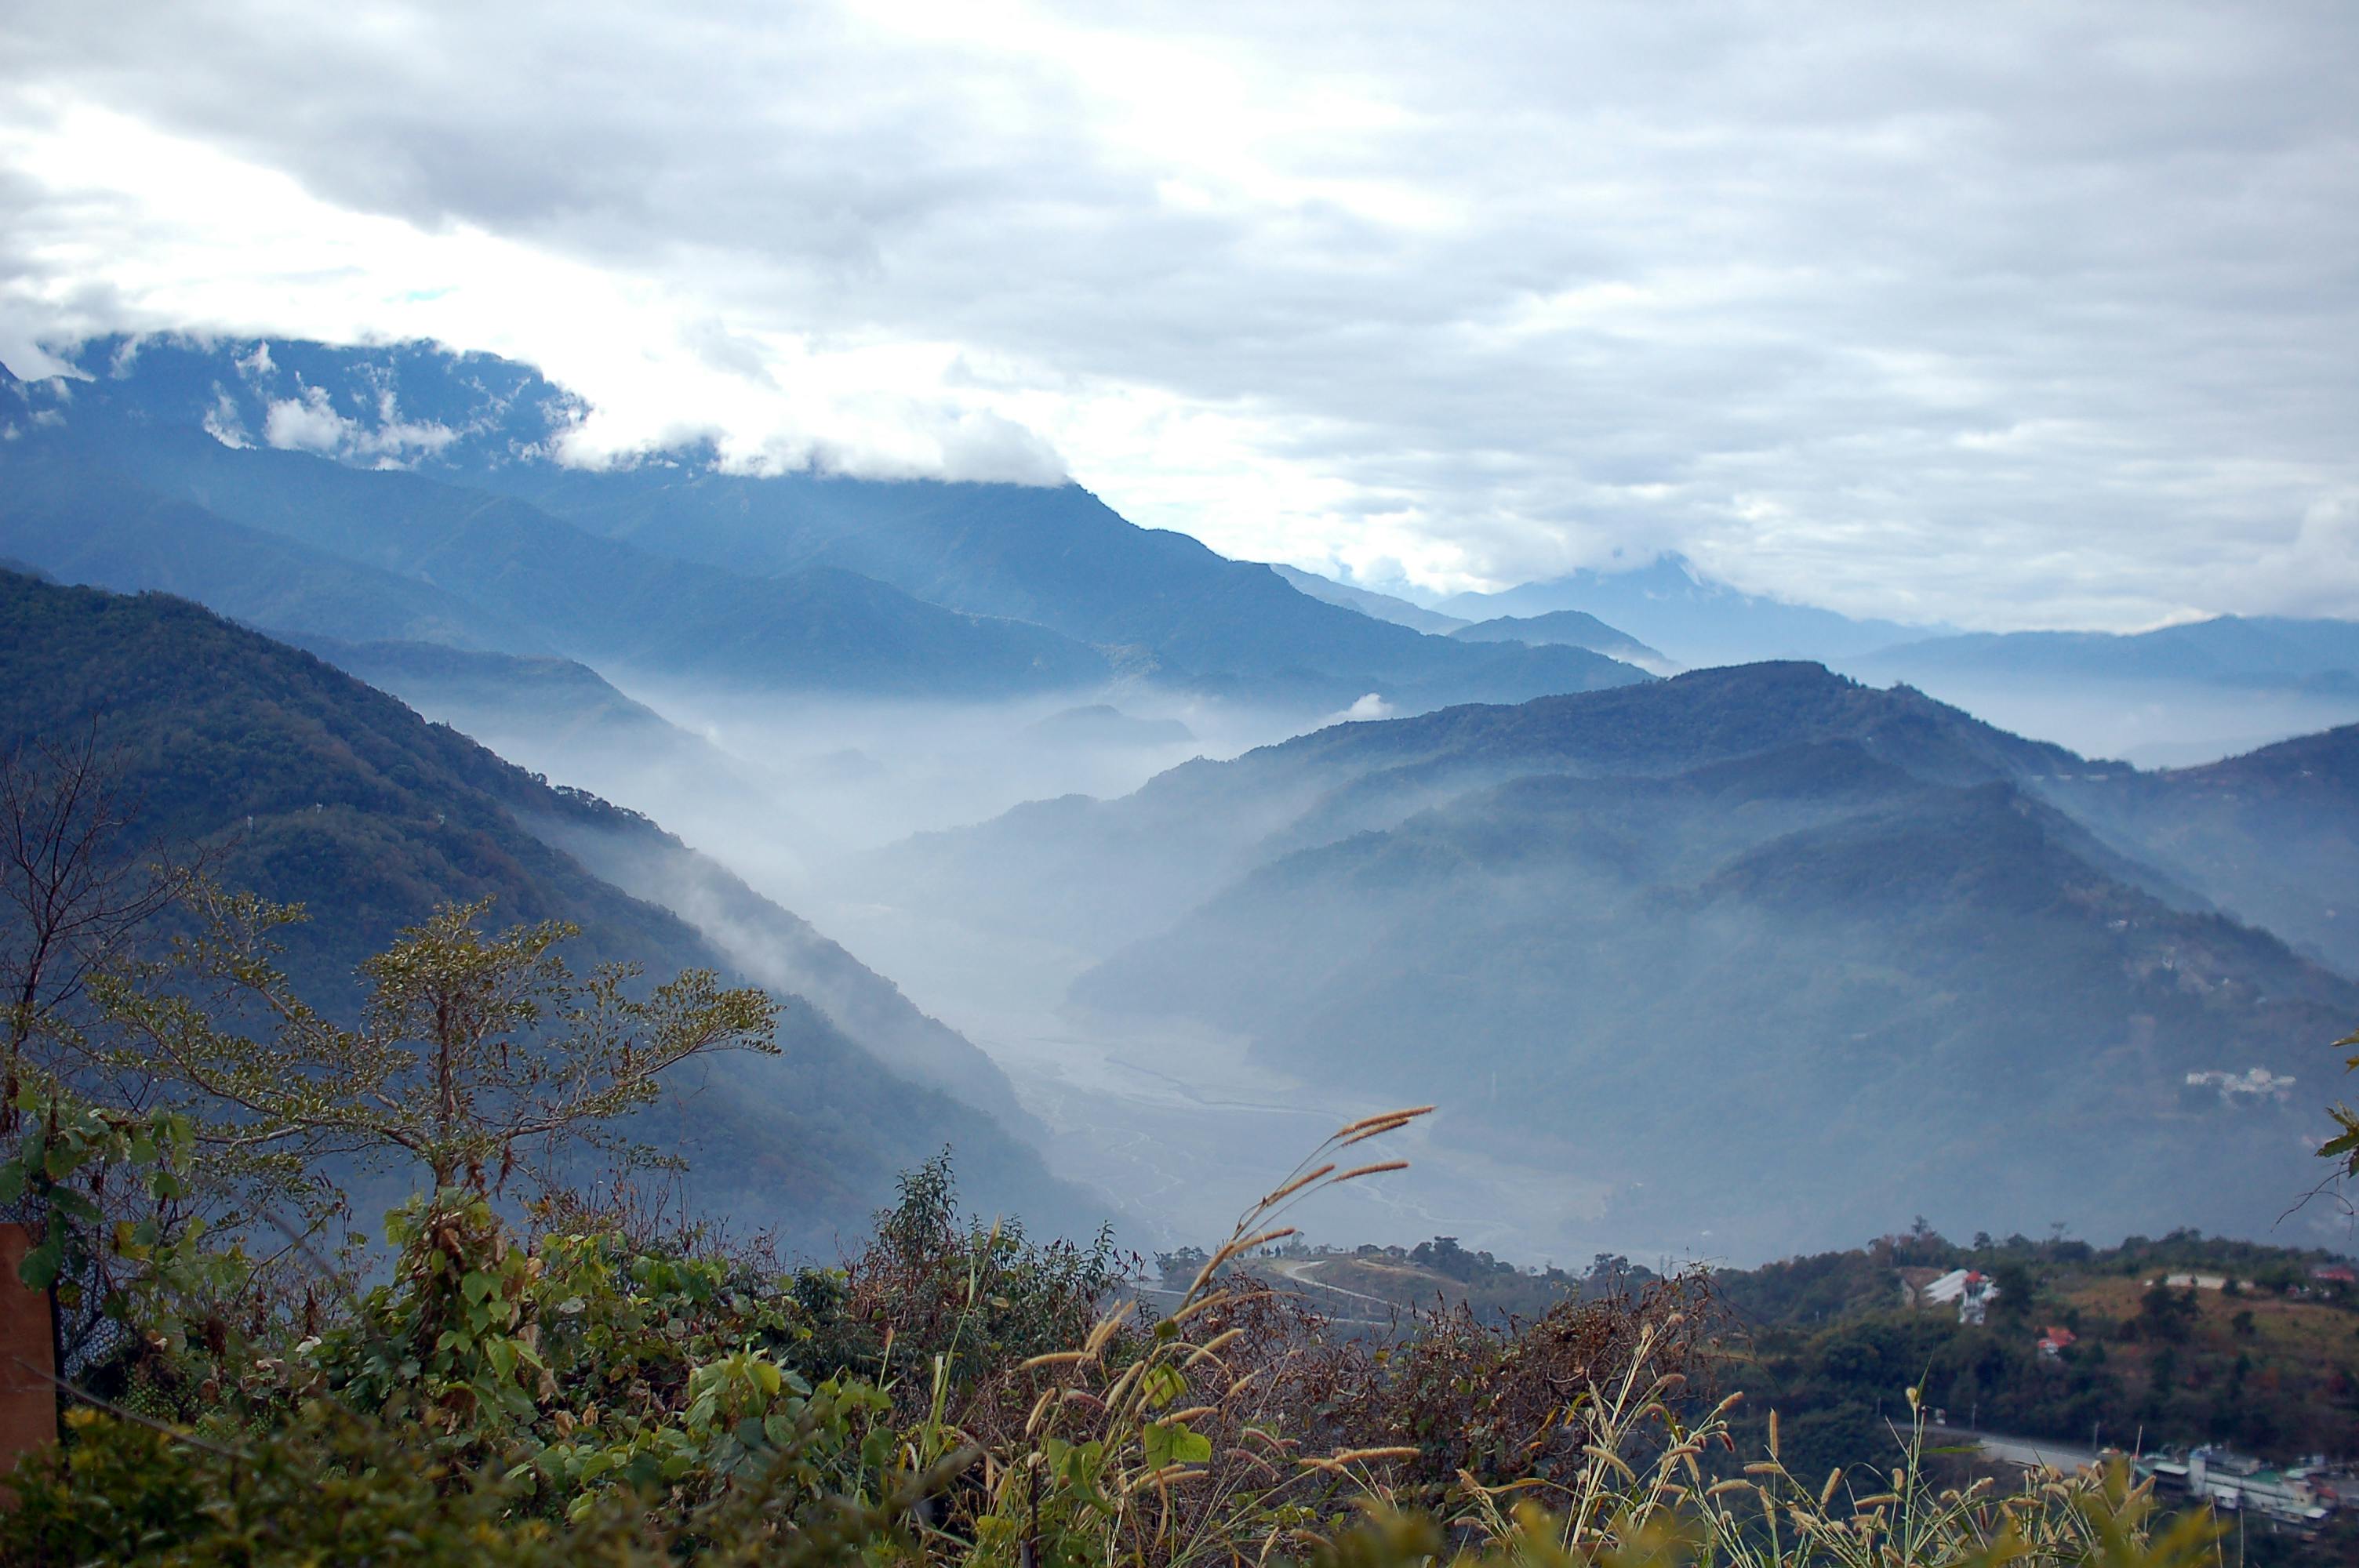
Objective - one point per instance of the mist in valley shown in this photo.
(999, 861)
(1172, 1122)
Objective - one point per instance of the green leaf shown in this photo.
(1161, 1386)
(40, 1267)
(1174, 1443)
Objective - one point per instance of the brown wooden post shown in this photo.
(29, 1398)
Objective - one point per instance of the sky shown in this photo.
(2004, 315)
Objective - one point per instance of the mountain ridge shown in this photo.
(1073, 591)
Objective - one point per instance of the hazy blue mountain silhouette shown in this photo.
(1576, 628)
(295, 438)
(2272, 837)
(500, 572)
(1381, 606)
(2227, 650)
(1670, 604)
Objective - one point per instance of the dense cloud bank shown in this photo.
(2028, 317)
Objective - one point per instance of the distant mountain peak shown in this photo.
(1670, 603)
(1575, 628)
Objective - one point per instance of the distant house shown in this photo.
(1948, 1288)
(2200, 1282)
(2335, 1274)
(2054, 1341)
(1972, 1289)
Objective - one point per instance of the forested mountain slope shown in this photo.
(312, 787)
(1773, 997)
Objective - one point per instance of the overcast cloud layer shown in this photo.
(2018, 315)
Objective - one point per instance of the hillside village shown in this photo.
(2221, 1371)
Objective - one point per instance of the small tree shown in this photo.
(2344, 1148)
(471, 1052)
(75, 887)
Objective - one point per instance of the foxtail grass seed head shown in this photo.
(1388, 1118)
(1281, 1193)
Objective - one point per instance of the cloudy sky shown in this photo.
(2007, 315)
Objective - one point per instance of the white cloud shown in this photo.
(307, 423)
(222, 424)
(2040, 316)
(310, 424)
(2253, 1083)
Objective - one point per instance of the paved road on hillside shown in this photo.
(2064, 1456)
(1297, 1271)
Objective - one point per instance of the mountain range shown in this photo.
(1737, 953)
(1647, 937)
(406, 494)
(1670, 603)
(2255, 652)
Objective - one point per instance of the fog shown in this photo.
(847, 813)
(2149, 723)
(1169, 1120)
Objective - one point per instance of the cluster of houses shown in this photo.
(2296, 1498)
(2302, 1496)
